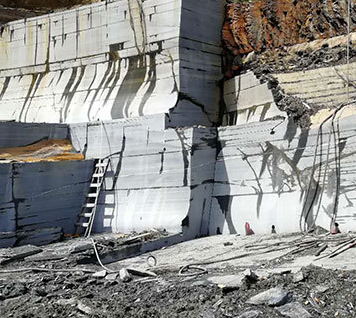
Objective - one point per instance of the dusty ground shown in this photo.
(325, 289)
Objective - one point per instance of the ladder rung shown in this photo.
(95, 185)
(98, 175)
(86, 224)
(101, 164)
(92, 195)
(86, 215)
(89, 205)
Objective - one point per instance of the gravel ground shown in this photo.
(76, 295)
(319, 292)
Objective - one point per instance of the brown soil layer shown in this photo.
(259, 25)
(44, 4)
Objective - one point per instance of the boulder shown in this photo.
(125, 276)
(294, 310)
(271, 297)
(251, 314)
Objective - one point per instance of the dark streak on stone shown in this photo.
(266, 108)
(202, 218)
(277, 153)
(70, 95)
(119, 165)
(259, 191)
(302, 143)
(181, 137)
(185, 221)
(175, 86)
(162, 161)
(107, 72)
(225, 206)
(142, 25)
(342, 144)
(152, 78)
(5, 86)
(51, 82)
(34, 78)
(38, 81)
(15, 201)
(109, 78)
(91, 84)
(114, 84)
(291, 130)
(183, 96)
(36, 46)
(60, 76)
(69, 83)
(129, 87)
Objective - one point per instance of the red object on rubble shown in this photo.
(335, 229)
(248, 229)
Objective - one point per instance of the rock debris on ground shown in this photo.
(259, 276)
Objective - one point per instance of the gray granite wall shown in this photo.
(40, 201)
(293, 179)
(111, 60)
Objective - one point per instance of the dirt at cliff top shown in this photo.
(11, 14)
(11, 10)
(44, 4)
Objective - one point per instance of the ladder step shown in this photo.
(95, 185)
(98, 175)
(92, 195)
(89, 205)
(86, 224)
(101, 164)
(86, 215)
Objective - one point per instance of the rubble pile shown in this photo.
(283, 60)
(43, 287)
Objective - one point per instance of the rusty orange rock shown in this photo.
(260, 25)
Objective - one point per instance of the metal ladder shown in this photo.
(87, 213)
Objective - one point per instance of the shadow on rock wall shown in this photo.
(295, 180)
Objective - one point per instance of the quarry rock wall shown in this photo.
(248, 100)
(321, 88)
(113, 60)
(284, 176)
(14, 134)
(136, 82)
(157, 177)
(40, 201)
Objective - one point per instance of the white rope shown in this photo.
(101, 140)
(98, 258)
